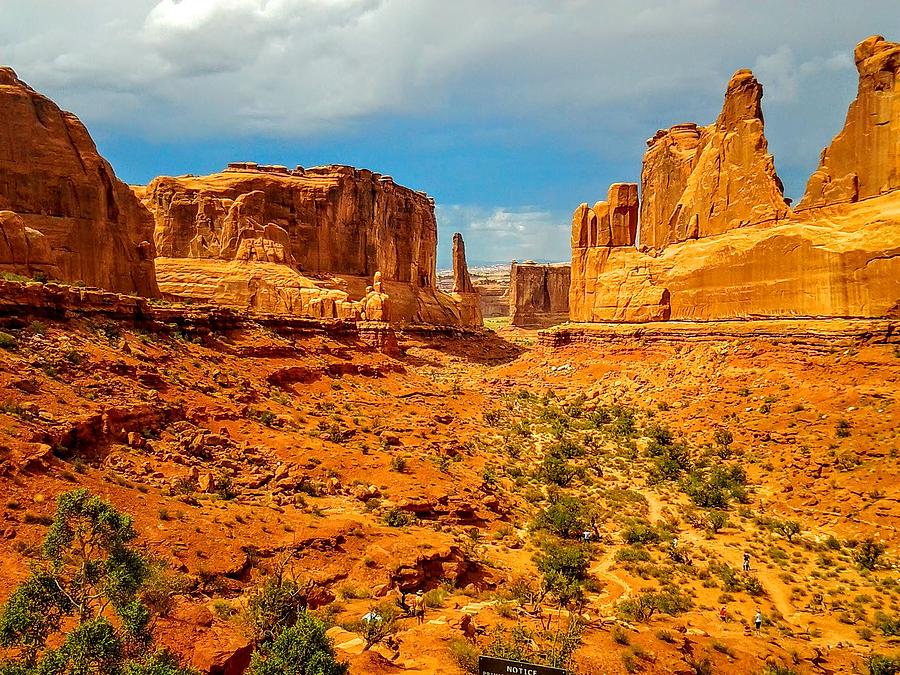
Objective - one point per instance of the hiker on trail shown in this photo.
(586, 536)
(746, 561)
(419, 607)
(723, 614)
(674, 543)
(757, 620)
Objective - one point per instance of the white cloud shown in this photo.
(295, 67)
(500, 234)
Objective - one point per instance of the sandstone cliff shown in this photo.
(538, 294)
(331, 219)
(701, 182)
(863, 160)
(52, 177)
(717, 240)
(306, 242)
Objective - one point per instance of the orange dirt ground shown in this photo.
(234, 450)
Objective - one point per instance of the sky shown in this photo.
(509, 112)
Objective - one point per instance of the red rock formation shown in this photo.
(538, 294)
(23, 250)
(610, 223)
(462, 283)
(52, 177)
(336, 219)
(717, 239)
(464, 292)
(863, 160)
(305, 242)
(698, 183)
(838, 261)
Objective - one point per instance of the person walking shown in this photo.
(419, 607)
(723, 614)
(757, 620)
(746, 561)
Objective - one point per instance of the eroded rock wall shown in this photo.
(698, 182)
(863, 160)
(331, 219)
(53, 178)
(538, 294)
(718, 241)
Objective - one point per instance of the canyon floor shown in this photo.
(461, 463)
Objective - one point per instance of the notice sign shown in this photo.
(487, 665)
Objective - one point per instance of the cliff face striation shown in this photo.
(718, 241)
(538, 294)
(863, 160)
(80, 222)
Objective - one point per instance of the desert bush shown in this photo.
(632, 554)
(465, 654)
(564, 570)
(300, 649)
(889, 625)
(59, 619)
(869, 553)
(716, 487)
(643, 605)
(716, 520)
(396, 517)
(564, 517)
(557, 470)
(639, 532)
(786, 528)
(879, 664)
(8, 342)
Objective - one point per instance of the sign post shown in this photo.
(488, 665)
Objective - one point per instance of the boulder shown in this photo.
(23, 250)
(52, 176)
(863, 160)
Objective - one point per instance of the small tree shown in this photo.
(301, 649)
(787, 528)
(723, 439)
(869, 552)
(87, 572)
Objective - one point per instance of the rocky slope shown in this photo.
(68, 198)
(717, 240)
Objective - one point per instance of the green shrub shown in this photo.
(869, 553)
(301, 649)
(396, 517)
(59, 619)
(8, 342)
(889, 625)
(879, 664)
(564, 517)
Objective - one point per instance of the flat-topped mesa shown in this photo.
(539, 294)
(610, 223)
(333, 219)
(700, 182)
(51, 175)
(863, 160)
